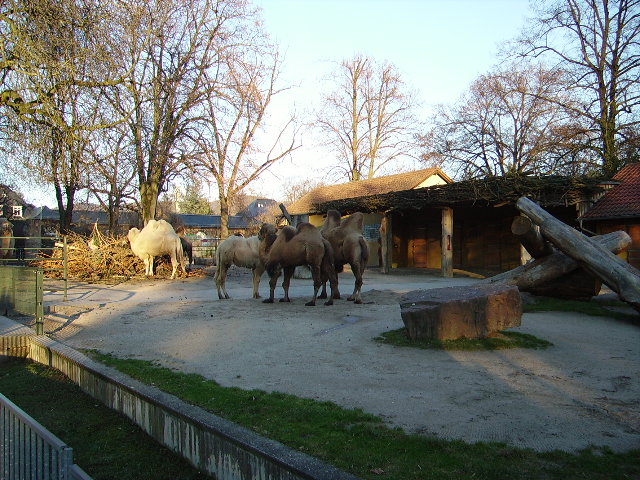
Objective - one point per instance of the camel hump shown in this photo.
(354, 222)
(305, 227)
(289, 232)
(332, 220)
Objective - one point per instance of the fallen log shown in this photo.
(617, 274)
(530, 237)
(547, 269)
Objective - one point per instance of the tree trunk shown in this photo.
(547, 269)
(530, 237)
(618, 275)
(149, 192)
(224, 218)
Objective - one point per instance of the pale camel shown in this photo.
(242, 252)
(157, 238)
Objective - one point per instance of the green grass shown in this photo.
(105, 444)
(399, 338)
(361, 443)
(593, 308)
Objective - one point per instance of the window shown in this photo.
(17, 211)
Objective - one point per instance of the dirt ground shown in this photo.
(583, 391)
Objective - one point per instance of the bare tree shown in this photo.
(505, 124)
(55, 54)
(228, 138)
(597, 43)
(173, 49)
(367, 118)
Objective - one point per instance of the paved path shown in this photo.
(583, 391)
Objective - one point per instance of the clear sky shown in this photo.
(438, 46)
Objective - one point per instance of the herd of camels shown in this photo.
(325, 250)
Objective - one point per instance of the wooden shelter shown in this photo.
(463, 225)
(305, 209)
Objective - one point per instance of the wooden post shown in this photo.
(447, 242)
(386, 242)
(618, 275)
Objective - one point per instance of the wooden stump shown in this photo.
(451, 313)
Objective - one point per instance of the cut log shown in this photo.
(530, 237)
(451, 313)
(617, 274)
(557, 265)
(576, 285)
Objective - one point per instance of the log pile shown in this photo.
(567, 263)
(112, 259)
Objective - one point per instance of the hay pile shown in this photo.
(100, 258)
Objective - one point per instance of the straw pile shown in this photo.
(101, 257)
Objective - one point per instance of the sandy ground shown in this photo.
(584, 391)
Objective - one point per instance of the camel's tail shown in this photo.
(364, 251)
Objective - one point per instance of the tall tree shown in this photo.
(173, 49)
(598, 43)
(231, 150)
(506, 123)
(54, 56)
(367, 118)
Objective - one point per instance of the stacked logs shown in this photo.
(566, 263)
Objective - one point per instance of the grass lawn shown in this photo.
(105, 444)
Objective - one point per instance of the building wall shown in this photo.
(632, 227)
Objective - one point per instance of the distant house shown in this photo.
(208, 226)
(619, 209)
(258, 208)
(306, 209)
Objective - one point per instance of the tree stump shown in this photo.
(451, 313)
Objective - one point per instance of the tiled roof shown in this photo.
(623, 200)
(362, 188)
(212, 221)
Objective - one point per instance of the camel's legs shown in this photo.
(273, 280)
(317, 282)
(288, 273)
(357, 272)
(221, 281)
(257, 274)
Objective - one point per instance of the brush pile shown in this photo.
(99, 257)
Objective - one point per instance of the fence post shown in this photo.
(39, 302)
(65, 263)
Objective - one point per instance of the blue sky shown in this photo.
(439, 47)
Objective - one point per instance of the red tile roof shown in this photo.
(623, 200)
(362, 188)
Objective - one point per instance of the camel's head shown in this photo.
(266, 230)
(133, 234)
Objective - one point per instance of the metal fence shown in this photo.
(205, 248)
(28, 451)
(21, 291)
(29, 250)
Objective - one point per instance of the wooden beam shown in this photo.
(530, 237)
(386, 242)
(447, 242)
(546, 269)
(617, 274)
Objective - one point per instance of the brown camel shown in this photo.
(349, 246)
(292, 247)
